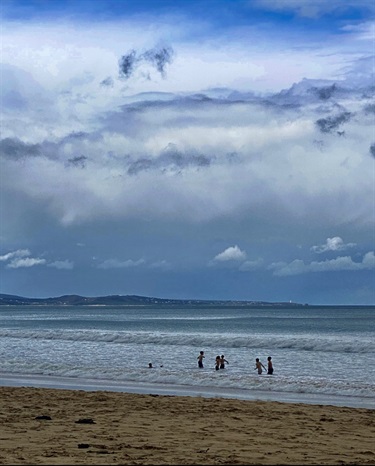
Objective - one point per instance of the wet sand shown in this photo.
(59, 426)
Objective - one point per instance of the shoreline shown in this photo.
(70, 383)
(68, 427)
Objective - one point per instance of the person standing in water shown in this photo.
(259, 366)
(217, 363)
(270, 366)
(200, 359)
(223, 361)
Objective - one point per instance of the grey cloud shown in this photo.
(370, 108)
(74, 136)
(15, 149)
(140, 165)
(372, 149)
(79, 161)
(127, 63)
(325, 92)
(326, 125)
(171, 158)
(233, 142)
(157, 57)
(108, 82)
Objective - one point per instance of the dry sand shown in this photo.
(121, 428)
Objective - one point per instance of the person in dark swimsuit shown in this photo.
(223, 361)
(270, 366)
(200, 359)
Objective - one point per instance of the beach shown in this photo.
(60, 426)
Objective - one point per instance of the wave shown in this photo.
(311, 343)
(209, 379)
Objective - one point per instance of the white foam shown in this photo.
(10, 380)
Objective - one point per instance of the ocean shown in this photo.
(321, 355)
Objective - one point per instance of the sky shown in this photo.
(220, 150)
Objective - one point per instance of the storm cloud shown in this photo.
(160, 154)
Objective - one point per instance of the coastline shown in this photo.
(61, 426)
(70, 383)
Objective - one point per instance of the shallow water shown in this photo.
(318, 353)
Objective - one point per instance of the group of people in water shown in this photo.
(220, 362)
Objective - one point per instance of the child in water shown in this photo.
(259, 365)
(217, 363)
(223, 361)
(200, 359)
(270, 366)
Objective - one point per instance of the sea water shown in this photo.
(320, 354)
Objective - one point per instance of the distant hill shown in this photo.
(128, 300)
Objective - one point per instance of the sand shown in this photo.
(122, 428)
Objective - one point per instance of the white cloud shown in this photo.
(18, 253)
(163, 265)
(233, 253)
(62, 265)
(116, 264)
(28, 262)
(332, 244)
(297, 266)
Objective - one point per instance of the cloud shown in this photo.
(16, 149)
(163, 265)
(314, 8)
(332, 244)
(15, 254)
(248, 266)
(344, 263)
(27, 262)
(157, 57)
(117, 264)
(107, 82)
(127, 63)
(78, 161)
(233, 253)
(200, 157)
(19, 259)
(327, 125)
(62, 265)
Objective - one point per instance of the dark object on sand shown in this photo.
(85, 421)
(43, 418)
(83, 445)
